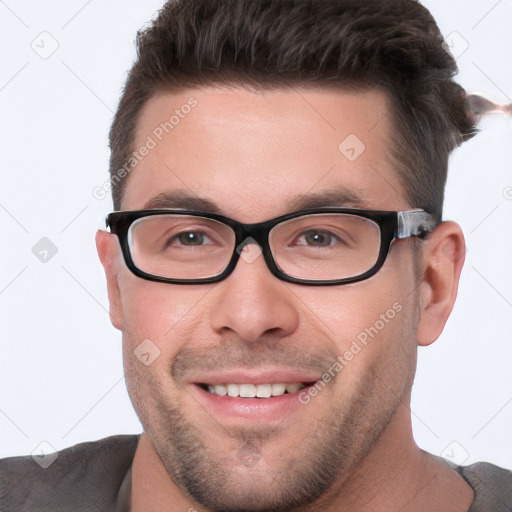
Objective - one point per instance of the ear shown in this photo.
(443, 257)
(108, 251)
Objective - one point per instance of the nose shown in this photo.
(252, 302)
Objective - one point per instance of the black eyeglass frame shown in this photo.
(392, 224)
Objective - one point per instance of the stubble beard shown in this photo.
(247, 480)
(305, 477)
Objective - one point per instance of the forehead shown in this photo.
(255, 154)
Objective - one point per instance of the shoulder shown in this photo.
(492, 486)
(85, 476)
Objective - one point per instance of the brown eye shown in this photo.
(189, 238)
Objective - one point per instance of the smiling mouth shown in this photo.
(255, 390)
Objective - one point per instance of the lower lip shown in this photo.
(272, 409)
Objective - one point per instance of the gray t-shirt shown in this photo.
(492, 486)
(96, 477)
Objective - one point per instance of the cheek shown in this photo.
(160, 312)
(146, 369)
(350, 311)
(372, 323)
(160, 319)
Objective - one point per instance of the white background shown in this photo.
(61, 378)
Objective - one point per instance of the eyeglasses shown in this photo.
(320, 246)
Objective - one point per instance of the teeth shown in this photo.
(263, 390)
(219, 390)
(247, 390)
(232, 389)
(252, 390)
(292, 388)
(278, 389)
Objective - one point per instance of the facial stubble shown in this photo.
(249, 476)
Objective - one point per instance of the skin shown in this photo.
(351, 447)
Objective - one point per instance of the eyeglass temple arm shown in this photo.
(480, 105)
(414, 223)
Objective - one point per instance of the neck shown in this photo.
(394, 475)
(397, 475)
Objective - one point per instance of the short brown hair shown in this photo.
(393, 45)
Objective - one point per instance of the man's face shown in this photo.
(255, 155)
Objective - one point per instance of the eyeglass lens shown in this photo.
(313, 246)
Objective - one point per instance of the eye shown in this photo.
(317, 238)
(188, 239)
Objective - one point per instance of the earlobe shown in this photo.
(107, 248)
(444, 255)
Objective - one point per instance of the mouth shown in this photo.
(248, 390)
(265, 397)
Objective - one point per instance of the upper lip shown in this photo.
(255, 376)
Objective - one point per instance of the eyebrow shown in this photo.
(187, 201)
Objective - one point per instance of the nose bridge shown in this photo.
(258, 233)
(254, 234)
(251, 301)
